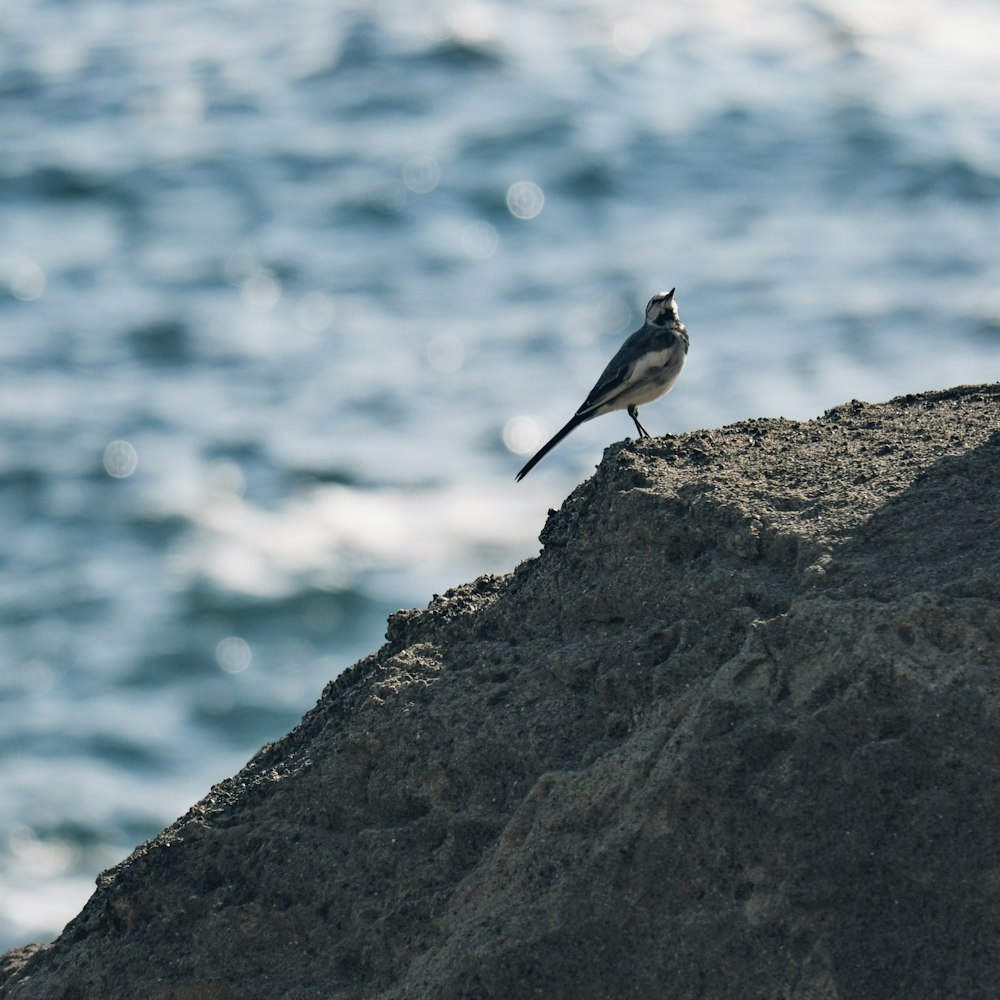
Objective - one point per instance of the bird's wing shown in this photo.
(647, 354)
(612, 381)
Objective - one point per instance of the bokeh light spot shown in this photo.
(435, 28)
(421, 174)
(226, 478)
(521, 435)
(27, 281)
(631, 37)
(183, 105)
(233, 654)
(315, 311)
(473, 23)
(525, 199)
(261, 289)
(480, 240)
(446, 353)
(120, 459)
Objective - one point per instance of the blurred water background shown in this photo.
(288, 291)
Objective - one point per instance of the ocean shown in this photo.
(289, 292)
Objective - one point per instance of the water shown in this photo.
(282, 286)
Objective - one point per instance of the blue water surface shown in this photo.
(289, 291)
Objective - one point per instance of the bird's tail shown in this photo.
(574, 422)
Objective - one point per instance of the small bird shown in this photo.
(645, 367)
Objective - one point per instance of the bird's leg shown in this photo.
(633, 412)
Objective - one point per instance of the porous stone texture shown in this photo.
(734, 733)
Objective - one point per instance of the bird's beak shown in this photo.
(670, 294)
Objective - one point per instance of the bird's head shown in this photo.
(661, 309)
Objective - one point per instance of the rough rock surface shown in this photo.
(735, 733)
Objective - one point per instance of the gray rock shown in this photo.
(735, 733)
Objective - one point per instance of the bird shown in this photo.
(645, 367)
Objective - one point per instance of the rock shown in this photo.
(734, 733)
